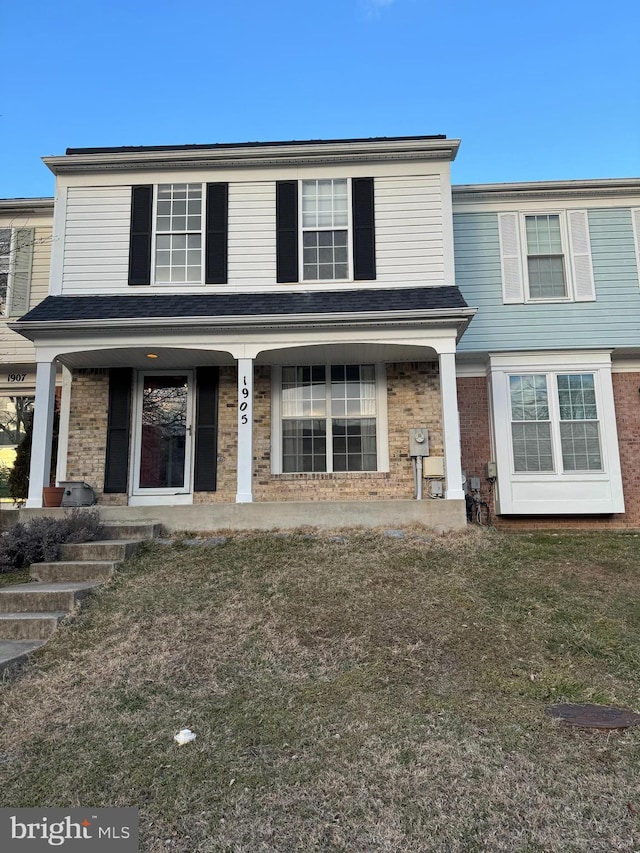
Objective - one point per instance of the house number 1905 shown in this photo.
(244, 405)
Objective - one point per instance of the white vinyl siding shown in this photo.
(96, 251)
(409, 230)
(252, 234)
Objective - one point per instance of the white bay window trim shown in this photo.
(574, 254)
(277, 415)
(558, 491)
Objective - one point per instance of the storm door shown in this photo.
(164, 408)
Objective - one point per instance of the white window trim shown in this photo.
(556, 492)
(566, 253)
(382, 439)
(203, 234)
(349, 229)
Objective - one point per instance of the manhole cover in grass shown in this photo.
(593, 716)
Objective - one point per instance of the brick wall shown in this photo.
(474, 429)
(413, 399)
(88, 432)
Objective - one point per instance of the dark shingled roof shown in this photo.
(128, 149)
(61, 308)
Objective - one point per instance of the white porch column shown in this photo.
(245, 431)
(39, 471)
(450, 427)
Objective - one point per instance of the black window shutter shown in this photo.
(116, 467)
(140, 241)
(206, 463)
(287, 230)
(364, 240)
(217, 234)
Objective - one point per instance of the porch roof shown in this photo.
(259, 306)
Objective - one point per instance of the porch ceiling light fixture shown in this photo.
(152, 355)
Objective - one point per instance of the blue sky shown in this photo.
(544, 90)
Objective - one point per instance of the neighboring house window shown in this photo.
(554, 433)
(16, 260)
(5, 256)
(554, 423)
(325, 230)
(325, 221)
(329, 418)
(178, 255)
(546, 257)
(177, 232)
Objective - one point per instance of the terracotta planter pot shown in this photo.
(52, 495)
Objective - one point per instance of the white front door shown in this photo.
(163, 418)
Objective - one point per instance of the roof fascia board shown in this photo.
(269, 155)
(303, 321)
(11, 206)
(606, 187)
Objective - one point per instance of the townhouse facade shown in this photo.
(280, 322)
(549, 370)
(251, 323)
(25, 250)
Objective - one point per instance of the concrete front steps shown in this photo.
(30, 612)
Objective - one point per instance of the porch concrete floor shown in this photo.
(435, 514)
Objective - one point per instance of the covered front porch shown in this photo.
(311, 412)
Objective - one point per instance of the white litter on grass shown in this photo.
(184, 736)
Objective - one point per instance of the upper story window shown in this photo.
(325, 230)
(179, 234)
(16, 259)
(325, 223)
(546, 257)
(178, 251)
(5, 256)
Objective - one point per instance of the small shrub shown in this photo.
(39, 539)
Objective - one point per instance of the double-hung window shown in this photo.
(328, 418)
(554, 423)
(16, 260)
(546, 256)
(5, 258)
(178, 220)
(179, 234)
(325, 230)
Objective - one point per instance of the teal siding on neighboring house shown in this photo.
(612, 320)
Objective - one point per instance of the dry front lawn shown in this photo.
(353, 691)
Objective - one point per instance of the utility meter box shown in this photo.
(77, 493)
(419, 442)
